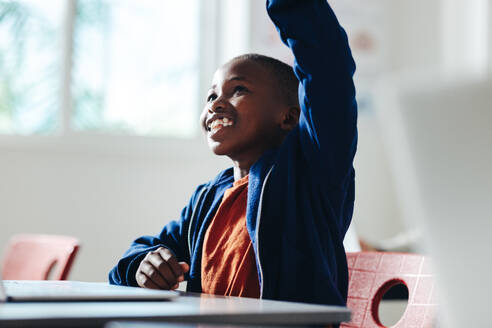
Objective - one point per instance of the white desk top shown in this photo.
(188, 307)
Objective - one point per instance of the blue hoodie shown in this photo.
(301, 194)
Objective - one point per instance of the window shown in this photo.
(105, 66)
(29, 66)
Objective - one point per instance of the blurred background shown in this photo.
(100, 99)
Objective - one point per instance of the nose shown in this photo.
(217, 106)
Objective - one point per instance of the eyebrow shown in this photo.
(234, 78)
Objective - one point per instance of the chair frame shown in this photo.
(46, 254)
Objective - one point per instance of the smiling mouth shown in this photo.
(218, 124)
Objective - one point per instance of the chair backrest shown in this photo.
(372, 274)
(37, 257)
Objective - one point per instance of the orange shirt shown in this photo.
(228, 260)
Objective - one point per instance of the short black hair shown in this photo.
(284, 76)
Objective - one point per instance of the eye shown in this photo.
(239, 88)
(211, 97)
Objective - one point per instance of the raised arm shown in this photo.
(325, 67)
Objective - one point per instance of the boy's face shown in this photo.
(243, 111)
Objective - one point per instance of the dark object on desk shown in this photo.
(39, 257)
(372, 274)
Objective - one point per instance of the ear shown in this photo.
(290, 118)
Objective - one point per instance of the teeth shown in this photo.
(214, 126)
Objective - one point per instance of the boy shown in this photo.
(273, 225)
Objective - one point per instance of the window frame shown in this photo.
(65, 138)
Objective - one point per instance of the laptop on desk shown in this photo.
(75, 291)
(438, 132)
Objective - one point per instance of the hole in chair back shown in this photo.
(390, 303)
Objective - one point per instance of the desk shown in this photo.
(188, 308)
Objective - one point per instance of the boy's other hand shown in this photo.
(160, 270)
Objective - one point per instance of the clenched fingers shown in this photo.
(172, 262)
(160, 270)
(144, 281)
(164, 270)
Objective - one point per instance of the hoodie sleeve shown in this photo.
(325, 67)
(173, 236)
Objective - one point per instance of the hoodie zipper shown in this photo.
(258, 218)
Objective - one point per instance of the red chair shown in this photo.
(37, 257)
(372, 274)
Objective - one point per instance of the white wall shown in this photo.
(105, 192)
(489, 29)
(410, 41)
(465, 35)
